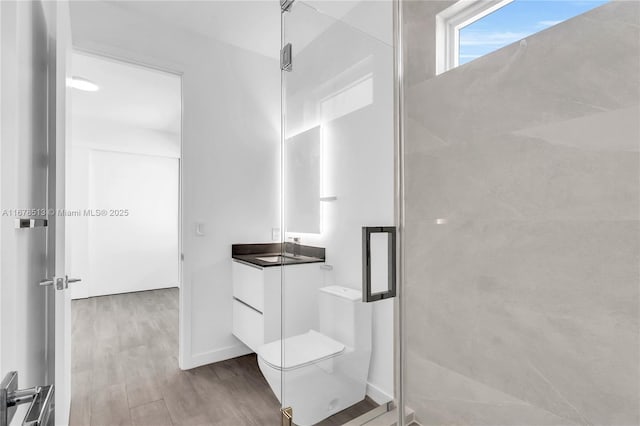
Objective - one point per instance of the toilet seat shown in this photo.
(300, 350)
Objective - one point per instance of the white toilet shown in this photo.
(324, 371)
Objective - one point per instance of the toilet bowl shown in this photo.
(323, 371)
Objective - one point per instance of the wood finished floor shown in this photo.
(125, 371)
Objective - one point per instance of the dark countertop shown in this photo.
(250, 253)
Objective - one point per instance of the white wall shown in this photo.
(136, 252)
(230, 155)
(136, 249)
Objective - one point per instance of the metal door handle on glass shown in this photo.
(41, 400)
(378, 263)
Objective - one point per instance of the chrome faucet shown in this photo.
(296, 246)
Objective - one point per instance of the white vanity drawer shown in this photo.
(248, 284)
(248, 325)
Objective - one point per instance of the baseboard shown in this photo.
(217, 355)
(377, 394)
(75, 295)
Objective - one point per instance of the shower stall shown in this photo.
(521, 226)
(503, 155)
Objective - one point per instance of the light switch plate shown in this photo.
(275, 234)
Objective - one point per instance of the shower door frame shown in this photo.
(398, 145)
(399, 362)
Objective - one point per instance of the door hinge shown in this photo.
(285, 5)
(286, 58)
(287, 416)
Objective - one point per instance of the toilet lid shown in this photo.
(300, 350)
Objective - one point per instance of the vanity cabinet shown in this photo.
(257, 301)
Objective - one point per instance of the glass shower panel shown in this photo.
(337, 353)
(522, 223)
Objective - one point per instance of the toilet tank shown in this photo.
(344, 317)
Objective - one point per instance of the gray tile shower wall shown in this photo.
(522, 304)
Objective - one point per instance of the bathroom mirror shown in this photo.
(302, 182)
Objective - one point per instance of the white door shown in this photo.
(34, 331)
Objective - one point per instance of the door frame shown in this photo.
(184, 305)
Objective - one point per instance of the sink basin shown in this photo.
(276, 259)
(270, 259)
(269, 255)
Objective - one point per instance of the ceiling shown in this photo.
(254, 25)
(140, 98)
(129, 95)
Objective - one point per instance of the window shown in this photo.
(473, 28)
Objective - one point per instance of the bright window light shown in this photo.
(514, 21)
